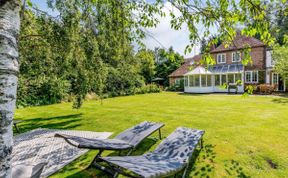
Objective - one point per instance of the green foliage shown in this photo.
(280, 57)
(212, 42)
(88, 47)
(166, 63)
(62, 57)
(250, 89)
(278, 13)
(147, 66)
(177, 87)
(150, 88)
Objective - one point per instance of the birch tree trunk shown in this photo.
(9, 68)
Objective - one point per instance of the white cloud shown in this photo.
(169, 37)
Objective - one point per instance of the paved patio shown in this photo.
(41, 145)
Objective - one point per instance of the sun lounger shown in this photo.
(170, 157)
(28, 170)
(127, 140)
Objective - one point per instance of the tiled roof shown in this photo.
(240, 42)
(185, 67)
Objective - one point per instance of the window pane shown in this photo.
(230, 78)
(237, 56)
(223, 58)
(185, 81)
(218, 58)
(197, 80)
(248, 76)
(209, 80)
(177, 81)
(238, 77)
(223, 77)
(255, 76)
(203, 80)
(275, 81)
(191, 81)
(217, 80)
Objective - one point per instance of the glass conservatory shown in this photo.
(201, 80)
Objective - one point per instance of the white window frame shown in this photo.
(221, 55)
(277, 78)
(186, 81)
(251, 76)
(219, 80)
(177, 81)
(226, 79)
(233, 54)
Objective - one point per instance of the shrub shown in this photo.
(266, 88)
(176, 87)
(251, 89)
(42, 91)
(150, 88)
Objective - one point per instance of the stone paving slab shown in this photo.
(40, 145)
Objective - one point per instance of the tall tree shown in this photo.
(280, 58)
(168, 61)
(147, 66)
(9, 68)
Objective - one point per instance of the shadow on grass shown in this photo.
(92, 172)
(281, 100)
(59, 122)
(234, 169)
(206, 157)
(192, 94)
(205, 94)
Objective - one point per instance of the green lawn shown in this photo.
(245, 137)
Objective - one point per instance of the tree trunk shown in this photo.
(9, 68)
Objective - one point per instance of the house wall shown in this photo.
(258, 56)
(172, 80)
(269, 63)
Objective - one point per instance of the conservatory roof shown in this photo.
(216, 69)
(198, 70)
(229, 68)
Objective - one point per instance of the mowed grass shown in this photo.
(245, 137)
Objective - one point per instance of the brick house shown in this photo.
(178, 75)
(229, 69)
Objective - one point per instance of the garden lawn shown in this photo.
(245, 137)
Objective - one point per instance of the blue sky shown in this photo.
(162, 34)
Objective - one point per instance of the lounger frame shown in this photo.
(97, 158)
(114, 170)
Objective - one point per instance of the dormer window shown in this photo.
(221, 58)
(236, 57)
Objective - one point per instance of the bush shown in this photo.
(177, 87)
(150, 88)
(251, 89)
(266, 88)
(42, 91)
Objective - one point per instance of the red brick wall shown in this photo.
(257, 55)
(172, 80)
